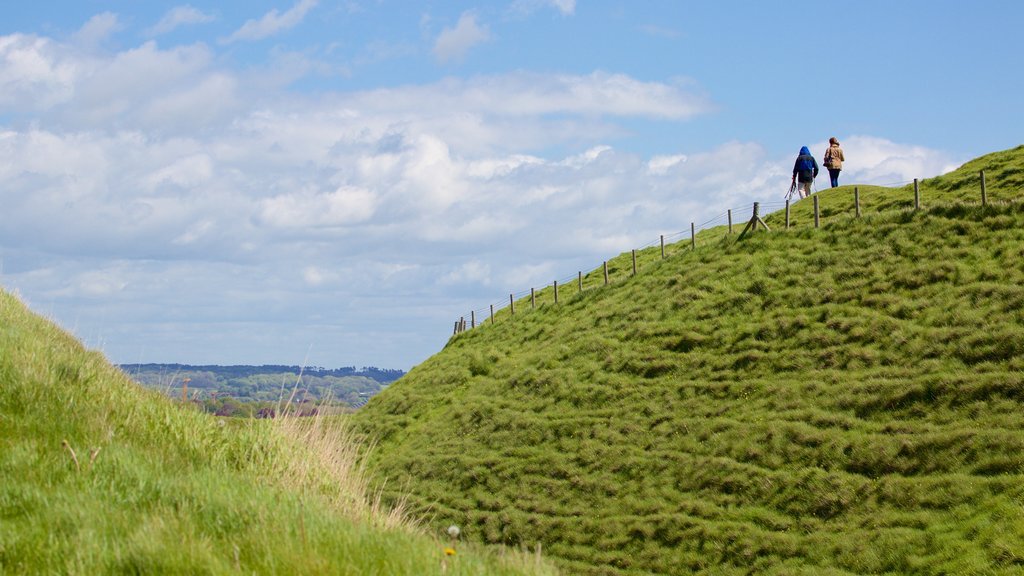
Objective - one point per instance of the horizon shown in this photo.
(309, 182)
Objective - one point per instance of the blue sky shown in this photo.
(335, 182)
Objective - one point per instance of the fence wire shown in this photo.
(734, 217)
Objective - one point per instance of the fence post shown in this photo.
(492, 313)
(605, 272)
(729, 212)
(579, 280)
(462, 324)
(556, 291)
(984, 195)
(787, 213)
(456, 329)
(751, 226)
(533, 298)
(917, 196)
(511, 305)
(634, 262)
(693, 237)
(472, 318)
(816, 218)
(856, 200)
(662, 246)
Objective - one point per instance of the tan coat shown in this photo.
(834, 157)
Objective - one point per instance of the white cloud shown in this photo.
(345, 206)
(661, 164)
(180, 16)
(566, 7)
(272, 23)
(119, 91)
(97, 30)
(471, 272)
(188, 172)
(95, 283)
(194, 233)
(874, 160)
(590, 95)
(314, 276)
(454, 43)
(34, 74)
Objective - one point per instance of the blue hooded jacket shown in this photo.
(806, 167)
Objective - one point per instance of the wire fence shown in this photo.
(746, 217)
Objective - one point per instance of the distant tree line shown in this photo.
(382, 375)
(261, 391)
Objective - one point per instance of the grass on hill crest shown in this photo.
(842, 400)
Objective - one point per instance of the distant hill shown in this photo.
(382, 375)
(218, 387)
(840, 400)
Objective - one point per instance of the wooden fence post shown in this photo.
(984, 195)
(556, 291)
(787, 213)
(472, 318)
(729, 212)
(634, 262)
(817, 220)
(856, 200)
(662, 246)
(511, 305)
(693, 237)
(917, 196)
(456, 329)
(751, 226)
(579, 280)
(533, 298)
(462, 324)
(492, 313)
(605, 272)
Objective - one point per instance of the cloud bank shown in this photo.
(167, 212)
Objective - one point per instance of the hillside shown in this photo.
(841, 400)
(100, 476)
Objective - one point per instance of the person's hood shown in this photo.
(804, 150)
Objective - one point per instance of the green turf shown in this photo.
(841, 400)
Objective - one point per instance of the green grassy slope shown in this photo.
(99, 476)
(842, 400)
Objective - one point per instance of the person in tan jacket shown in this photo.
(834, 160)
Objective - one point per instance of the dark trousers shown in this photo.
(833, 175)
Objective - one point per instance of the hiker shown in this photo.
(805, 170)
(834, 160)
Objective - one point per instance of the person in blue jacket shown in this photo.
(805, 170)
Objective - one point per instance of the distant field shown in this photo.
(252, 390)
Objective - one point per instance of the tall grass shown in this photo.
(336, 464)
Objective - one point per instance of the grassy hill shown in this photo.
(100, 476)
(841, 400)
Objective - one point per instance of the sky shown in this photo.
(335, 182)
